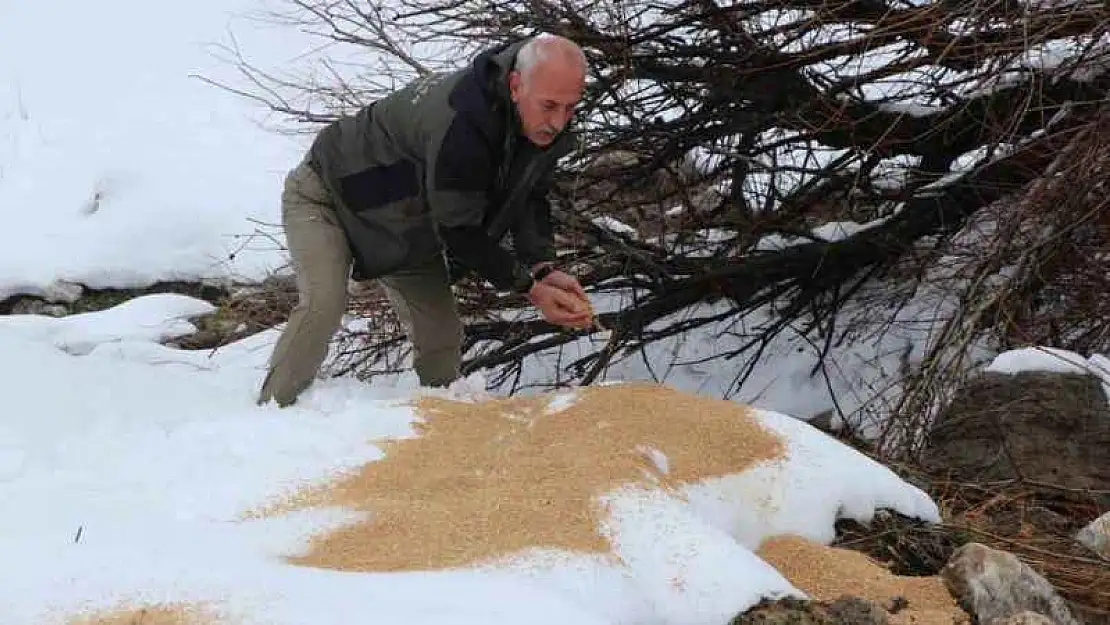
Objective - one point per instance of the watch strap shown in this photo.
(543, 272)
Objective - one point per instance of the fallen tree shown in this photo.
(790, 158)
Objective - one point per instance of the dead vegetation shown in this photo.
(242, 312)
(723, 144)
(1035, 522)
(1017, 466)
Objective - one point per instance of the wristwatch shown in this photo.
(542, 272)
(522, 279)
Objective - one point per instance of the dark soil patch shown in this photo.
(101, 299)
(790, 611)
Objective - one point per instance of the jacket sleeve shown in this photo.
(458, 169)
(532, 234)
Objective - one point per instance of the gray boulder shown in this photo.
(994, 585)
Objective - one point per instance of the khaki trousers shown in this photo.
(321, 258)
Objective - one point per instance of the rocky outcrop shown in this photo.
(35, 306)
(994, 585)
(1044, 427)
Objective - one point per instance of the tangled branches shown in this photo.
(780, 158)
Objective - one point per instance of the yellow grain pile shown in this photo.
(486, 480)
(161, 614)
(826, 573)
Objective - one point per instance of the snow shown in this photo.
(151, 318)
(126, 465)
(613, 224)
(861, 377)
(839, 230)
(120, 164)
(1055, 360)
(914, 109)
(829, 232)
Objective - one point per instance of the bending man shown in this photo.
(418, 188)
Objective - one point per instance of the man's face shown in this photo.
(546, 99)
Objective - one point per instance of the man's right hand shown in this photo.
(560, 307)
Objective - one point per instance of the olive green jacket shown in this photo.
(440, 166)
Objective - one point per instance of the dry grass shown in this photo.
(264, 308)
(1035, 521)
(242, 313)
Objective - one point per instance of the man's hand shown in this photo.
(566, 282)
(559, 306)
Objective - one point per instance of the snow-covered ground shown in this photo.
(118, 164)
(126, 466)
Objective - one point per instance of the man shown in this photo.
(421, 186)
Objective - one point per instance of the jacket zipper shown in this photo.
(500, 223)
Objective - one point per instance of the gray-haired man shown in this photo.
(422, 185)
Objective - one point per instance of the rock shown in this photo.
(1041, 426)
(791, 611)
(607, 163)
(992, 584)
(1024, 618)
(63, 291)
(855, 610)
(1096, 536)
(36, 306)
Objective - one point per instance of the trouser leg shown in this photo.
(321, 259)
(426, 306)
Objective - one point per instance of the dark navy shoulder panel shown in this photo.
(379, 186)
(468, 99)
(465, 158)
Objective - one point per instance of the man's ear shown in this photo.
(514, 85)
